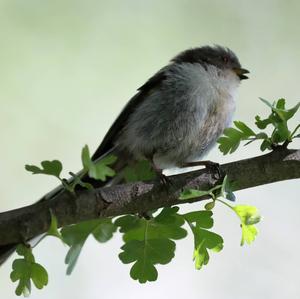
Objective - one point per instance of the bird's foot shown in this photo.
(163, 179)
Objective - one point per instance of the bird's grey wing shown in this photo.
(108, 142)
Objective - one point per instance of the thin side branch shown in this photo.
(25, 223)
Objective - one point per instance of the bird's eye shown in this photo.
(225, 59)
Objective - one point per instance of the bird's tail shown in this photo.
(7, 250)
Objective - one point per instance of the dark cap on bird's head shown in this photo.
(218, 56)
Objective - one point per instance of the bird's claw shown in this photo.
(215, 168)
(209, 165)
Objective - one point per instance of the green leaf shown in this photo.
(101, 170)
(26, 269)
(104, 231)
(226, 190)
(165, 225)
(278, 119)
(48, 167)
(291, 112)
(86, 158)
(231, 141)
(285, 114)
(210, 205)
(232, 137)
(281, 133)
(244, 128)
(145, 254)
(266, 102)
(77, 181)
(262, 123)
(140, 171)
(280, 104)
(278, 108)
(76, 235)
(149, 242)
(266, 144)
(192, 193)
(53, 229)
(142, 270)
(199, 222)
(205, 240)
(39, 275)
(128, 222)
(97, 170)
(249, 216)
(200, 218)
(262, 136)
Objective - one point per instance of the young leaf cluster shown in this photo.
(277, 121)
(98, 170)
(248, 215)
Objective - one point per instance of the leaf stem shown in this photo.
(225, 203)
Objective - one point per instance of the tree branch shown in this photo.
(25, 223)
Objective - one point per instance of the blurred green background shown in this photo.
(66, 70)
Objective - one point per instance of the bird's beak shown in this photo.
(241, 73)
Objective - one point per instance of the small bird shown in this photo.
(176, 117)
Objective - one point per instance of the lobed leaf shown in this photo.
(262, 123)
(149, 242)
(200, 218)
(26, 270)
(200, 221)
(205, 240)
(145, 254)
(53, 168)
(244, 128)
(278, 119)
(232, 137)
(97, 170)
(249, 216)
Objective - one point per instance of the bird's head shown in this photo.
(220, 57)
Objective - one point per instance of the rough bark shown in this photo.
(27, 222)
